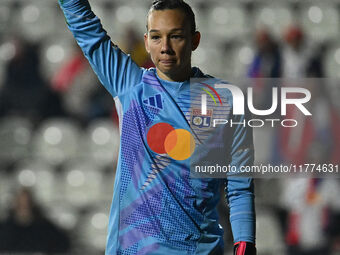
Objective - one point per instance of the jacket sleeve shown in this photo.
(116, 70)
(240, 190)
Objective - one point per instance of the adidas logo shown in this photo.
(154, 101)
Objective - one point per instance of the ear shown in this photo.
(146, 42)
(195, 40)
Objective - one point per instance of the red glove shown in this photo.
(244, 248)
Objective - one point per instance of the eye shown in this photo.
(155, 37)
(177, 36)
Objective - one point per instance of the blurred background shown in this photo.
(59, 135)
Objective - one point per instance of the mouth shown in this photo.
(168, 61)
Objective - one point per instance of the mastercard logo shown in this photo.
(163, 138)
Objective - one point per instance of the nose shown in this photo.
(166, 46)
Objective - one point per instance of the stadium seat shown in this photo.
(93, 228)
(56, 141)
(128, 13)
(7, 52)
(200, 11)
(274, 16)
(108, 184)
(36, 19)
(332, 62)
(54, 52)
(240, 58)
(5, 15)
(101, 142)
(209, 60)
(227, 21)
(6, 194)
(82, 182)
(269, 239)
(41, 177)
(64, 215)
(320, 20)
(15, 138)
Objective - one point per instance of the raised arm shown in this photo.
(116, 70)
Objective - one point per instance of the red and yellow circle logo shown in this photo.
(162, 138)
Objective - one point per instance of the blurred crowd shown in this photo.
(307, 208)
(27, 228)
(28, 103)
(300, 215)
